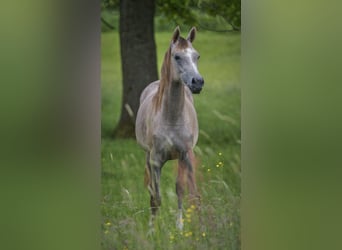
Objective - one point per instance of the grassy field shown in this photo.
(125, 200)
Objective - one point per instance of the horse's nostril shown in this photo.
(198, 80)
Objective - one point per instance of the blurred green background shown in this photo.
(50, 130)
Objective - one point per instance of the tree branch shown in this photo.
(107, 24)
(234, 29)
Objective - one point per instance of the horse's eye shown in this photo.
(198, 57)
(177, 57)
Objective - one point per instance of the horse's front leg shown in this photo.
(185, 169)
(189, 160)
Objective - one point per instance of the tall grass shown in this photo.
(125, 200)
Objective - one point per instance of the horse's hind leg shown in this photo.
(148, 184)
(154, 165)
(147, 178)
(155, 200)
(180, 183)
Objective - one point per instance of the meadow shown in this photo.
(125, 201)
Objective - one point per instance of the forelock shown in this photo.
(182, 43)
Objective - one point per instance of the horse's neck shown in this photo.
(173, 104)
(171, 93)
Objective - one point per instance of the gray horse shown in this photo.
(166, 124)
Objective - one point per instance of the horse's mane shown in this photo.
(165, 76)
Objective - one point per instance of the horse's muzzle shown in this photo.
(196, 85)
(196, 90)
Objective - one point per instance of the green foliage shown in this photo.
(196, 12)
(111, 17)
(230, 10)
(191, 12)
(180, 12)
(205, 14)
(125, 200)
(110, 4)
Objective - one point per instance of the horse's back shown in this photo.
(144, 113)
(150, 90)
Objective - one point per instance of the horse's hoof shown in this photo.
(179, 224)
(151, 232)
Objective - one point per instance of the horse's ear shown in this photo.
(191, 35)
(175, 35)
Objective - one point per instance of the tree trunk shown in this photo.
(138, 57)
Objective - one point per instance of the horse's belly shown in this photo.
(173, 143)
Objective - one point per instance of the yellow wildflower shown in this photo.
(188, 234)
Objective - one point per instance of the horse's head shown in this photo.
(184, 61)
